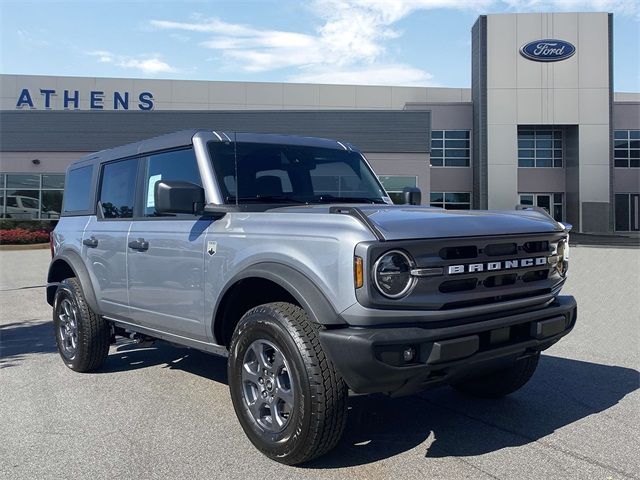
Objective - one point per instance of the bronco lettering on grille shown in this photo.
(495, 266)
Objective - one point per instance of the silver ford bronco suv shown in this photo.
(286, 255)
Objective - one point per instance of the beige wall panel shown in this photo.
(594, 105)
(503, 106)
(594, 145)
(529, 105)
(592, 186)
(565, 106)
(222, 93)
(298, 94)
(501, 40)
(373, 97)
(265, 94)
(338, 96)
(593, 50)
(502, 188)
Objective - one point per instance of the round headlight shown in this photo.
(392, 274)
(563, 256)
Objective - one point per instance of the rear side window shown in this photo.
(117, 191)
(77, 192)
(177, 165)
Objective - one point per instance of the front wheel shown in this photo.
(289, 399)
(501, 382)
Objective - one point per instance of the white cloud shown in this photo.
(149, 64)
(377, 74)
(349, 44)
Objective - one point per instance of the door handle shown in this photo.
(91, 242)
(140, 244)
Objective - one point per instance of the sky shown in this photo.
(378, 42)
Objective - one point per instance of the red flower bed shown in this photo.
(21, 236)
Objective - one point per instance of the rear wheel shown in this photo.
(501, 382)
(287, 395)
(82, 336)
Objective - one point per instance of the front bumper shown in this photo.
(370, 359)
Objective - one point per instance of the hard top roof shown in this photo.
(184, 138)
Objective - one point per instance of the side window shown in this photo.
(176, 165)
(118, 188)
(77, 192)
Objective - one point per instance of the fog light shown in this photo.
(408, 354)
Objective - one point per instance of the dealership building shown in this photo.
(540, 125)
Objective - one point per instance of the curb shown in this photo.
(33, 246)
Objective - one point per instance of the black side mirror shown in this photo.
(411, 196)
(176, 196)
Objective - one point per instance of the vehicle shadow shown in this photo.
(444, 423)
(18, 339)
(439, 423)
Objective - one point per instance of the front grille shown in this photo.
(536, 247)
(492, 299)
(513, 267)
(500, 280)
(501, 249)
(458, 285)
(459, 253)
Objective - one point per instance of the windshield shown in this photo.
(271, 173)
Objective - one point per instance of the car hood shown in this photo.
(402, 222)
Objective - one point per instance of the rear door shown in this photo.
(166, 254)
(104, 241)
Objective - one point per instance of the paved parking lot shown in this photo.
(165, 412)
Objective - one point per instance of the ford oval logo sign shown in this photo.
(547, 50)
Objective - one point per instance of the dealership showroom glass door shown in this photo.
(551, 202)
(627, 208)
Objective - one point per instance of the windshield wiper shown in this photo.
(266, 199)
(334, 199)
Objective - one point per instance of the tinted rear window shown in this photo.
(77, 192)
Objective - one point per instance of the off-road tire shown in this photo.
(319, 415)
(501, 382)
(93, 332)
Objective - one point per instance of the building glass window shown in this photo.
(553, 203)
(627, 212)
(539, 147)
(394, 184)
(626, 148)
(450, 148)
(31, 196)
(451, 200)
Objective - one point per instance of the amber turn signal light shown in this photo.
(357, 272)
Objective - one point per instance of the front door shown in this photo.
(166, 255)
